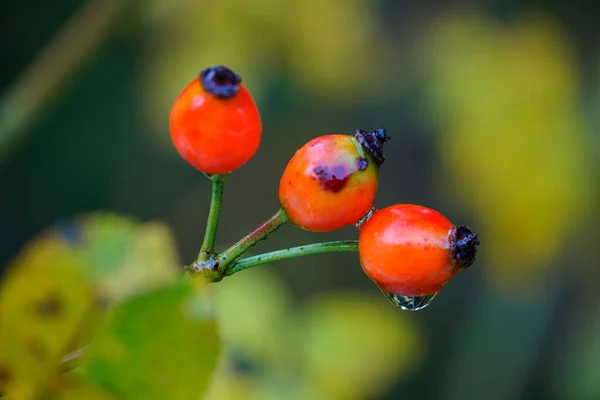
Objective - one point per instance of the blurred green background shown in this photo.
(492, 107)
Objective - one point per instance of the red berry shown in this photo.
(411, 251)
(215, 124)
(331, 181)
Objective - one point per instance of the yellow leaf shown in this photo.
(44, 300)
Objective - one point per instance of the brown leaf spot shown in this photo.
(49, 306)
(5, 377)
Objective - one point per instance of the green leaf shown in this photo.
(160, 345)
(69, 390)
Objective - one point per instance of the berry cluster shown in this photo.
(409, 251)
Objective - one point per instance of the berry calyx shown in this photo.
(215, 124)
(373, 142)
(220, 81)
(409, 250)
(463, 246)
(329, 183)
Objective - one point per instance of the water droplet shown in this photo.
(410, 303)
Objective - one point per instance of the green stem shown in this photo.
(292, 252)
(228, 257)
(214, 213)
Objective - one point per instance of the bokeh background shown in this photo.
(493, 111)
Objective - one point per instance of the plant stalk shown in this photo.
(228, 257)
(208, 246)
(292, 252)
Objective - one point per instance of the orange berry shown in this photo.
(409, 250)
(331, 181)
(215, 124)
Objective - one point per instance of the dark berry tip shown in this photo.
(373, 142)
(220, 81)
(463, 246)
(381, 134)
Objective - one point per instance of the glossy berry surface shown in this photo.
(409, 250)
(215, 124)
(329, 183)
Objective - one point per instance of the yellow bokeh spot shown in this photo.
(332, 49)
(355, 346)
(514, 144)
(259, 302)
(334, 346)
